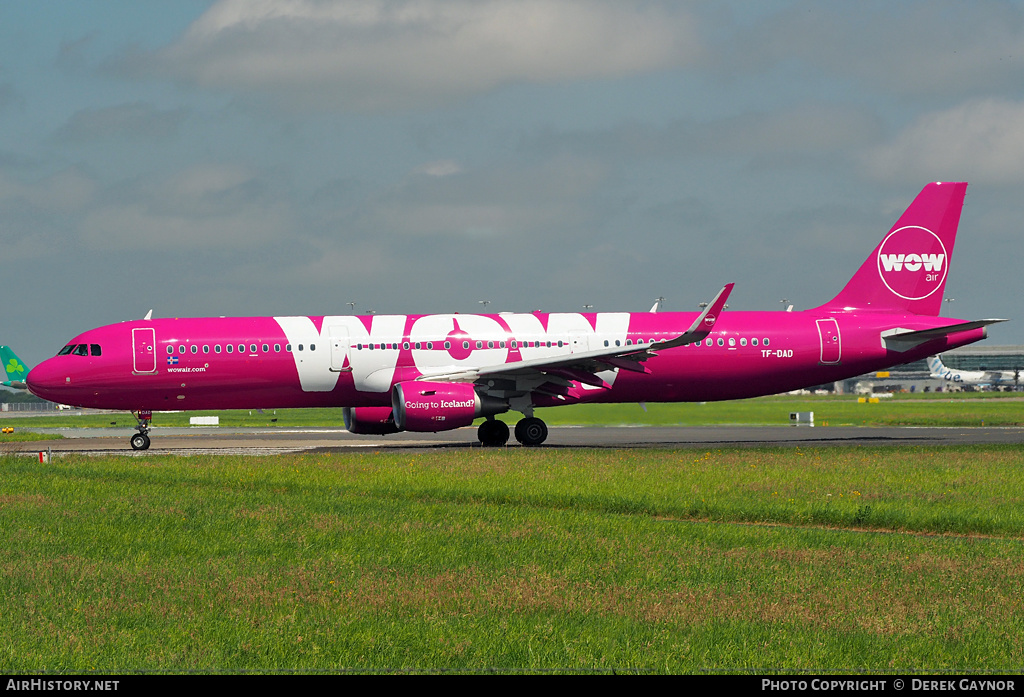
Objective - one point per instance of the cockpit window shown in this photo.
(94, 350)
(66, 350)
(81, 350)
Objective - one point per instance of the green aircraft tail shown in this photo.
(14, 367)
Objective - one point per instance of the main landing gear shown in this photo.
(529, 431)
(140, 441)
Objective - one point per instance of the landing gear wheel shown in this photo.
(140, 441)
(531, 431)
(493, 433)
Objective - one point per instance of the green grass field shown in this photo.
(766, 560)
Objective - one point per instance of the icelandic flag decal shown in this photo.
(173, 360)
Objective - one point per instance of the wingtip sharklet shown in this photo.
(701, 326)
(707, 319)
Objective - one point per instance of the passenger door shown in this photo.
(144, 351)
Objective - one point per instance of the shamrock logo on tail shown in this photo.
(14, 368)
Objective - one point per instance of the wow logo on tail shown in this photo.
(912, 262)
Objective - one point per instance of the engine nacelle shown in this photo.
(440, 406)
(369, 421)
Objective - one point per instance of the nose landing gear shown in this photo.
(140, 441)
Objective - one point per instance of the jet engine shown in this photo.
(440, 406)
(369, 421)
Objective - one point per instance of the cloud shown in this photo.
(69, 190)
(922, 47)
(510, 200)
(981, 140)
(9, 96)
(136, 120)
(802, 130)
(203, 208)
(373, 54)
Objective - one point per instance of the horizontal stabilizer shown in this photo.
(906, 339)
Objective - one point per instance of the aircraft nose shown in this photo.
(45, 378)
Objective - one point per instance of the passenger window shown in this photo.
(94, 349)
(430, 345)
(417, 346)
(252, 348)
(743, 342)
(206, 348)
(300, 346)
(230, 348)
(721, 341)
(181, 348)
(194, 349)
(266, 348)
(766, 341)
(447, 344)
(312, 347)
(753, 342)
(709, 341)
(241, 348)
(490, 344)
(277, 348)
(479, 344)
(732, 342)
(216, 348)
(288, 348)
(170, 349)
(465, 344)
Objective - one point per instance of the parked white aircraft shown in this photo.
(972, 377)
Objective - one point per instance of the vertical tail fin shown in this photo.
(14, 367)
(907, 271)
(936, 367)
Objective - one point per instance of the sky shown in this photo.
(270, 157)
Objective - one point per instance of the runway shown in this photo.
(253, 441)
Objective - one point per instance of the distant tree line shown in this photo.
(12, 396)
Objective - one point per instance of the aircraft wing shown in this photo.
(584, 366)
(906, 339)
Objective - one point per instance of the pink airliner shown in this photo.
(439, 372)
